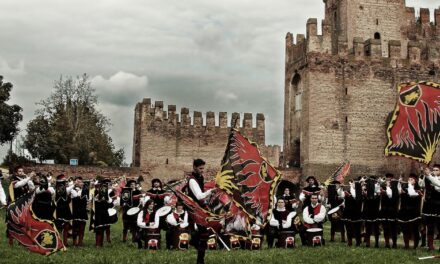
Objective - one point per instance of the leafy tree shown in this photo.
(68, 125)
(10, 115)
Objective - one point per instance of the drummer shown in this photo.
(335, 199)
(178, 223)
(148, 222)
(157, 193)
(311, 188)
(314, 216)
(129, 220)
(281, 221)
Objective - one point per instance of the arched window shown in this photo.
(377, 35)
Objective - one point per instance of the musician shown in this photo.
(196, 191)
(370, 212)
(335, 198)
(43, 206)
(80, 197)
(311, 188)
(431, 206)
(281, 220)
(351, 215)
(147, 219)
(314, 215)
(388, 210)
(63, 214)
(178, 222)
(157, 193)
(129, 221)
(20, 184)
(101, 203)
(409, 213)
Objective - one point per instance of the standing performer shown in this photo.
(43, 206)
(196, 192)
(129, 221)
(335, 199)
(431, 206)
(157, 193)
(80, 198)
(311, 188)
(370, 212)
(314, 216)
(388, 209)
(62, 202)
(351, 216)
(101, 203)
(409, 213)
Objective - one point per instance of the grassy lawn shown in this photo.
(120, 253)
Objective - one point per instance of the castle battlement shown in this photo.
(164, 135)
(408, 39)
(157, 116)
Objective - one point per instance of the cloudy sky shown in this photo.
(206, 55)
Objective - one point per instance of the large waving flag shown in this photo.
(39, 236)
(414, 129)
(248, 177)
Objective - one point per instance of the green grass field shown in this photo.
(120, 253)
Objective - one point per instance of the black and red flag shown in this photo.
(39, 236)
(414, 128)
(248, 177)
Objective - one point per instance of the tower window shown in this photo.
(377, 35)
(377, 21)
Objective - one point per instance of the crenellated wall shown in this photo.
(345, 82)
(167, 137)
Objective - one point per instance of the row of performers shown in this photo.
(360, 208)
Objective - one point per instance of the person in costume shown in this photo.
(157, 193)
(314, 216)
(311, 188)
(43, 206)
(20, 184)
(63, 213)
(370, 212)
(431, 203)
(148, 221)
(129, 221)
(280, 223)
(335, 199)
(196, 183)
(351, 215)
(101, 203)
(409, 213)
(290, 199)
(178, 224)
(388, 210)
(80, 198)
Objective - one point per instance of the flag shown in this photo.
(340, 174)
(414, 128)
(38, 235)
(248, 177)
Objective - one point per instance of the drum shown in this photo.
(133, 211)
(212, 243)
(256, 242)
(234, 242)
(153, 238)
(315, 237)
(183, 240)
(334, 214)
(286, 239)
(113, 215)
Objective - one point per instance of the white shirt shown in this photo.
(141, 223)
(172, 220)
(195, 188)
(317, 218)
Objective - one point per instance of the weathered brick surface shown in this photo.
(348, 90)
(162, 137)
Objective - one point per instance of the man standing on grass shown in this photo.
(431, 206)
(314, 216)
(196, 192)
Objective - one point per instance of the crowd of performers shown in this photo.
(359, 211)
